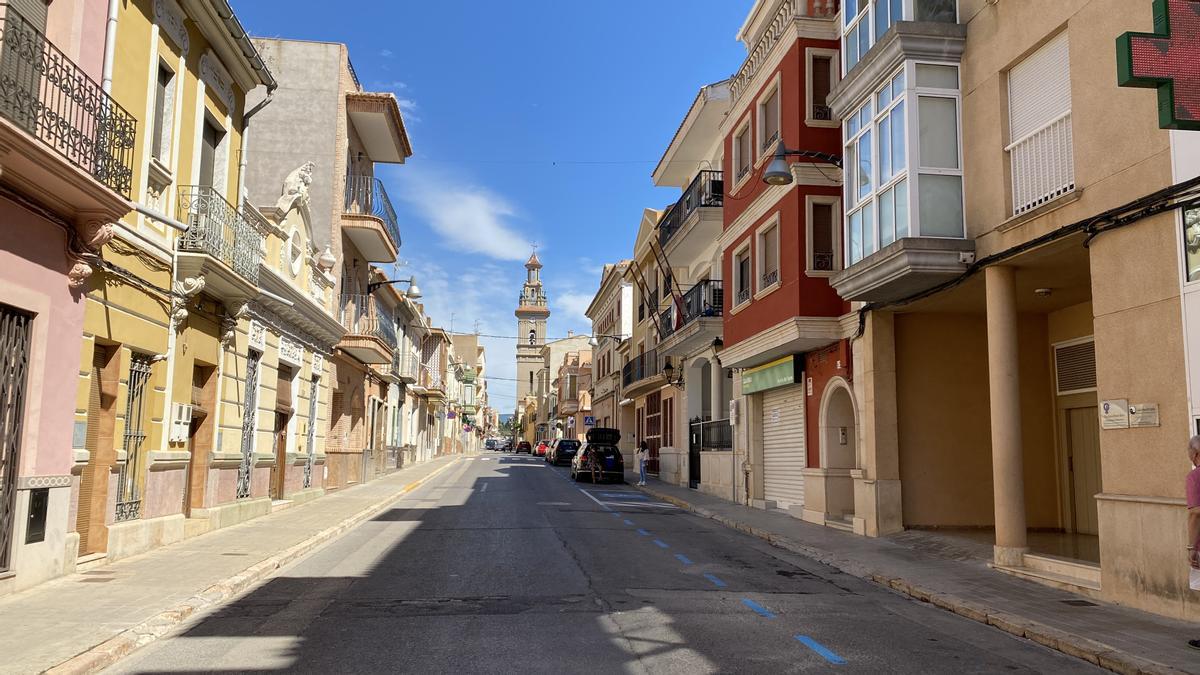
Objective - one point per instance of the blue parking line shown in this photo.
(628, 521)
(683, 559)
(825, 652)
(758, 608)
(660, 543)
(713, 578)
(643, 532)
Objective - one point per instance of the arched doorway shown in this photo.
(839, 449)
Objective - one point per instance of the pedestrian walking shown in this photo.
(1192, 488)
(641, 455)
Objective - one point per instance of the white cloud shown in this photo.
(469, 218)
(573, 306)
(392, 85)
(409, 108)
(386, 53)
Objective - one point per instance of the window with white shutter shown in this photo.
(1039, 108)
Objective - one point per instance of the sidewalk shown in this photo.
(94, 618)
(1117, 638)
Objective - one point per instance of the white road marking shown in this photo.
(554, 503)
(651, 504)
(484, 488)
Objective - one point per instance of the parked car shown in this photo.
(599, 457)
(563, 451)
(491, 444)
(541, 448)
(524, 446)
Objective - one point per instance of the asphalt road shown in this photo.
(502, 564)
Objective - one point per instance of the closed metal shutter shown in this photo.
(33, 11)
(784, 454)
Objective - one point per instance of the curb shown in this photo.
(1096, 653)
(129, 640)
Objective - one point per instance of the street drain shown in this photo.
(1079, 603)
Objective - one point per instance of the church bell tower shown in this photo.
(532, 313)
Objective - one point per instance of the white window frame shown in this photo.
(908, 12)
(764, 147)
(760, 262)
(743, 249)
(810, 53)
(835, 203)
(913, 167)
(747, 128)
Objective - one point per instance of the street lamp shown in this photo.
(413, 292)
(779, 173)
(669, 371)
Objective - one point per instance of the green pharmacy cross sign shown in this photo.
(1167, 60)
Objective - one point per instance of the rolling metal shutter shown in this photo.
(1039, 88)
(784, 454)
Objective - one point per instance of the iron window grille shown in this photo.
(129, 480)
(14, 364)
(249, 417)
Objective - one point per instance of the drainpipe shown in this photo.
(246, 138)
(110, 46)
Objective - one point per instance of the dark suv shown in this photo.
(599, 457)
(563, 451)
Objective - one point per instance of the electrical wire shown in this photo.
(1183, 195)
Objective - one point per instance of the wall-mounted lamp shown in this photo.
(780, 173)
(413, 293)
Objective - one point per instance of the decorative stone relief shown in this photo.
(215, 76)
(258, 335)
(318, 363)
(184, 290)
(170, 19)
(79, 274)
(229, 325)
(290, 351)
(97, 233)
(295, 187)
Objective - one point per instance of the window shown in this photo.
(741, 266)
(741, 152)
(885, 175)
(862, 31)
(1191, 242)
(164, 94)
(821, 76)
(768, 120)
(1039, 105)
(768, 256)
(823, 228)
(210, 142)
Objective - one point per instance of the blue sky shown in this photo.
(531, 121)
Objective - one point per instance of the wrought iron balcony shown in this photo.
(49, 96)
(364, 315)
(770, 278)
(707, 189)
(218, 229)
(365, 195)
(705, 299)
(641, 367)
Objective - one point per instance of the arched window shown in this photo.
(532, 336)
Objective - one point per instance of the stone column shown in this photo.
(1005, 396)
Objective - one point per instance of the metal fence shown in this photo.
(217, 228)
(366, 195)
(45, 93)
(711, 435)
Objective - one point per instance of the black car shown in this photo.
(563, 451)
(599, 457)
(524, 446)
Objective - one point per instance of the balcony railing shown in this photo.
(366, 196)
(770, 278)
(640, 367)
(215, 227)
(777, 29)
(431, 378)
(705, 299)
(712, 435)
(365, 315)
(1043, 165)
(46, 94)
(707, 189)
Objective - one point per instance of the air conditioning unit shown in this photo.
(181, 423)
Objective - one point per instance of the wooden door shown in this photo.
(1083, 467)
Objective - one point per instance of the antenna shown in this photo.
(477, 326)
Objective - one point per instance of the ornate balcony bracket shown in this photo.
(184, 290)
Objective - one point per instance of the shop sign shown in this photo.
(1114, 414)
(781, 373)
(1166, 60)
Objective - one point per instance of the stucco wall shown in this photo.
(298, 126)
(944, 418)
